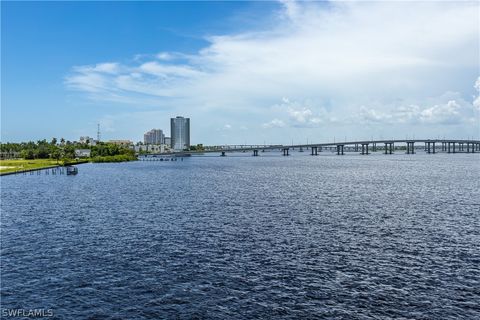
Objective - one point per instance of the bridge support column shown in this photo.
(340, 149)
(255, 153)
(374, 147)
(364, 148)
(427, 147)
(285, 151)
(433, 147)
(356, 147)
(223, 154)
(448, 149)
(410, 147)
(389, 147)
(314, 151)
(453, 147)
(444, 146)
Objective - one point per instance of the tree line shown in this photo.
(54, 149)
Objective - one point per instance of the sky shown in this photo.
(272, 72)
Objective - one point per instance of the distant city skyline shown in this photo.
(244, 72)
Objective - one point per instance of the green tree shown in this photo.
(27, 154)
(56, 155)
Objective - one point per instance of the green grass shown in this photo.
(16, 165)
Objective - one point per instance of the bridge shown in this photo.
(363, 147)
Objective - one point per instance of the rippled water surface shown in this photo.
(272, 237)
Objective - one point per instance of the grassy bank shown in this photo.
(21, 164)
(16, 165)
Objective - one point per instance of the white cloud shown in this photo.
(165, 56)
(476, 101)
(301, 114)
(275, 123)
(451, 112)
(390, 56)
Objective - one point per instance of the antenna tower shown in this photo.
(98, 132)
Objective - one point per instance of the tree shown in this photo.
(27, 154)
(43, 152)
(56, 155)
(54, 141)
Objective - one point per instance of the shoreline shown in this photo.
(40, 168)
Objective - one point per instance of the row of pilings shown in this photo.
(388, 148)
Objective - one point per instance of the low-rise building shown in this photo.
(82, 153)
(149, 148)
(123, 143)
(88, 140)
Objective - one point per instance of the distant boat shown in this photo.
(72, 170)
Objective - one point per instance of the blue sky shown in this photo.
(249, 72)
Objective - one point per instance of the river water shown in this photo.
(242, 237)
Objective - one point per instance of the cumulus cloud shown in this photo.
(275, 123)
(449, 113)
(342, 55)
(301, 114)
(476, 101)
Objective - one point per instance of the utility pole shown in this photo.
(98, 132)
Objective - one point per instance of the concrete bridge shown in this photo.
(365, 147)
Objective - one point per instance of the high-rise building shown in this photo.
(154, 136)
(180, 133)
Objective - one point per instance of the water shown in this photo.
(333, 237)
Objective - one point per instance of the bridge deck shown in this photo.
(329, 144)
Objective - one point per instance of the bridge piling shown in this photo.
(364, 148)
(410, 147)
(340, 149)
